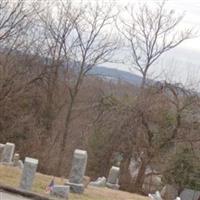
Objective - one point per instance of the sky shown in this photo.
(183, 63)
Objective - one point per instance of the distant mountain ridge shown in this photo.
(116, 74)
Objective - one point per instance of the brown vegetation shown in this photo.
(50, 105)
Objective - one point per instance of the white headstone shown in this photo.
(187, 194)
(28, 173)
(77, 173)
(100, 182)
(7, 154)
(113, 178)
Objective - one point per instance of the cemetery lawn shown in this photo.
(10, 176)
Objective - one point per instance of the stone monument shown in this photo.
(61, 191)
(7, 154)
(28, 173)
(79, 164)
(113, 178)
(100, 182)
(15, 159)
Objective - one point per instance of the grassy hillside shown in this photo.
(11, 176)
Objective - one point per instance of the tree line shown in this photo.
(50, 104)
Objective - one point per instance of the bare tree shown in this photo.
(79, 38)
(19, 63)
(13, 23)
(151, 32)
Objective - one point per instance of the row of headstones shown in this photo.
(8, 155)
(77, 174)
(170, 192)
(29, 166)
(75, 183)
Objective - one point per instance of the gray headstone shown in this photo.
(100, 182)
(77, 173)
(113, 175)
(190, 194)
(113, 178)
(20, 164)
(28, 173)
(7, 154)
(60, 191)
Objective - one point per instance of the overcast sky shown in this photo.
(183, 63)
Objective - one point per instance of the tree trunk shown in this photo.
(64, 137)
(125, 177)
(140, 178)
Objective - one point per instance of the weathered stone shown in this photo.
(7, 154)
(28, 173)
(17, 162)
(79, 164)
(60, 191)
(112, 186)
(187, 194)
(76, 188)
(15, 159)
(169, 192)
(113, 177)
(20, 164)
(100, 182)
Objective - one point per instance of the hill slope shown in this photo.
(116, 74)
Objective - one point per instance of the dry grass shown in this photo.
(11, 176)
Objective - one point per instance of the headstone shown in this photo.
(16, 159)
(113, 178)
(20, 164)
(28, 173)
(17, 162)
(7, 154)
(60, 191)
(100, 182)
(79, 164)
(169, 192)
(190, 194)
